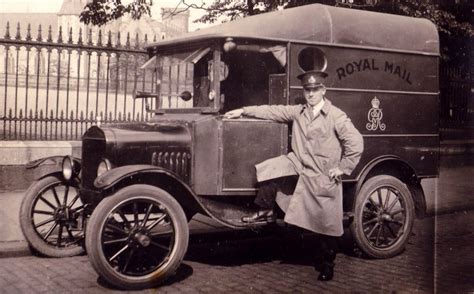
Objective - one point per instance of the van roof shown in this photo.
(325, 24)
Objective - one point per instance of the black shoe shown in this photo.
(260, 216)
(327, 272)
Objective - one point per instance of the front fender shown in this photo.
(47, 166)
(113, 176)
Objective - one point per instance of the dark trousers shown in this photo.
(329, 248)
(267, 190)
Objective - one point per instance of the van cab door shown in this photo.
(244, 143)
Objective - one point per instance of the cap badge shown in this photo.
(375, 116)
(311, 80)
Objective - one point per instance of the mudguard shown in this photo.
(47, 166)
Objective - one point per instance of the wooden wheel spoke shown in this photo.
(153, 224)
(379, 196)
(372, 231)
(129, 258)
(124, 219)
(115, 241)
(147, 215)
(391, 231)
(56, 196)
(47, 202)
(387, 198)
(66, 192)
(118, 253)
(160, 246)
(73, 200)
(60, 234)
(379, 233)
(395, 201)
(392, 214)
(116, 228)
(43, 212)
(371, 221)
(135, 213)
(47, 221)
(45, 237)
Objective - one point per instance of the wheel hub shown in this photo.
(63, 213)
(141, 239)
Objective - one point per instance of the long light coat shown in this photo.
(319, 143)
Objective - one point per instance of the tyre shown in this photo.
(383, 217)
(137, 237)
(51, 218)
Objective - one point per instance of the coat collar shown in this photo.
(325, 110)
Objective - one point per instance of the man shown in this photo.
(325, 146)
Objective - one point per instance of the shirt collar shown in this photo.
(317, 108)
(325, 109)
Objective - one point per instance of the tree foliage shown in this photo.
(100, 12)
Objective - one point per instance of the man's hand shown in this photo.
(335, 174)
(236, 113)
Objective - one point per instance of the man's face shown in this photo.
(314, 95)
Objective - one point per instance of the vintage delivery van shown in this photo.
(137, 185)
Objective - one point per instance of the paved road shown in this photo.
(439, 258)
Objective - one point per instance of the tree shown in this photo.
(100, 12)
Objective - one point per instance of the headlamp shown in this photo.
(103, 167)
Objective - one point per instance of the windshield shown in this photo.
(250, 74)
(184, 79)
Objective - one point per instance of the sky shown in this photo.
(54, 6)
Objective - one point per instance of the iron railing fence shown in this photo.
(56, 89)
(456, 102)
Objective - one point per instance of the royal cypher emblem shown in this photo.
(375, 116)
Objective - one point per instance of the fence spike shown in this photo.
(117, 42)
(92, 116)
(61, 116)
(154, 38)
(72, 114)
(110, 116)
(60, 35)
(82, 115)
(109, 39)
(137, 41)
(21, 113)
(128, 117)
(7, 31)
(89, 37)
(127, 42)
(41, 114)
(69, 41)
(145, 40)
(50, 35)
(31, 114)
(18, 35)
(79, 41)
(52, 114)
(10, 113)
(40, 37)
(120, 116)
(28, 32)
(99, 38)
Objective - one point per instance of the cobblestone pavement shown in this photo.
(247, 262)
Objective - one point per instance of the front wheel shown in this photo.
(137, 237)
(51, 217)
(383, 217)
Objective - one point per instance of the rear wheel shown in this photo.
(383, 217)
(51, 217)
(137, 237)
